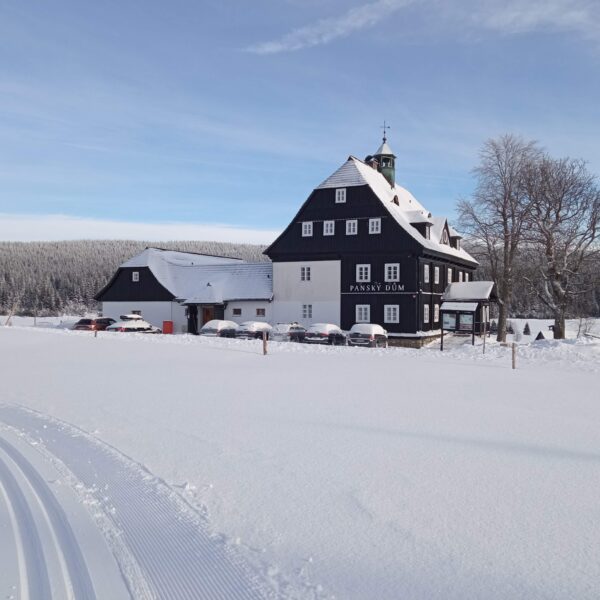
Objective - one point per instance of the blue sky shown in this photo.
(219, 118)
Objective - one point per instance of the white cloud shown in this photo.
(327, 30)
(502, 16)
(15, 228)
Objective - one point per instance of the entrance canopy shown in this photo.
(471, 291)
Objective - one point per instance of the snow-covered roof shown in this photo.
(203, 279)
(153, 256)
(418, 216)
(354, 172)
(459, 306)
(469, 291)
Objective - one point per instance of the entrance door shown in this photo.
(192, 316)
(208, 314)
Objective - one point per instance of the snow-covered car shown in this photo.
(99, 324)
(288, 332)
(137, 325)
(325, 333)
(252, 330)
(367, 334)
(219, 328)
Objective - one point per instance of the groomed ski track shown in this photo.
(160, 546)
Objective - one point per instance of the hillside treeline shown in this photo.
(49, 278)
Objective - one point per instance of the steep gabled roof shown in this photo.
(398, 201)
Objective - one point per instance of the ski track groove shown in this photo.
(169, 541)
(78, 574)
(37, 583)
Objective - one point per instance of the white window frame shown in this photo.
(391, 313)
(425, 273)
(363, 273)
(307, 228)
(328, 227)
(449, 275)
(362, 313)
(388, 273)
(307, 311)
(340, 195)
(305, 273)
(261, 312)
(135, 276)
(375, 226)
(425, 313)
(436, 275)
(351, 227)
(436, 313)
(238, 313)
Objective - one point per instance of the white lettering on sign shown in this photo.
(374, 288)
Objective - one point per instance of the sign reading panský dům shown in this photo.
(376, 288)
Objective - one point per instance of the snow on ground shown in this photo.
(348, 472)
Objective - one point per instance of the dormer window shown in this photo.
(340, 196)
(444, 237)
(307, 229)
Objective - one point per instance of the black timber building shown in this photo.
(363, 249)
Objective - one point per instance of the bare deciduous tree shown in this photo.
(564, 224)
(496, 216)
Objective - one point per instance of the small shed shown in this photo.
(466, 307)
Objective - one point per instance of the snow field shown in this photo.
(351, 473)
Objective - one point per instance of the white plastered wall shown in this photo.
(322, 292)
(153, 312)
(248, 308)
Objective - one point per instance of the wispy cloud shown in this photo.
(23, 228)
(523, 16)
(502, 16)
(327, 30)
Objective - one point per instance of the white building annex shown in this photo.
(189, 289)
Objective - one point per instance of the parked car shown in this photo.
(219, 328)
(137, 325)
(367, 334)
(325, 333)
(99, 324)
(252, 330)
(288, 332)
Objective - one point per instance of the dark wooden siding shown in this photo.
(361, 204)
(122, 288)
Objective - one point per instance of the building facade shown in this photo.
(361, 249)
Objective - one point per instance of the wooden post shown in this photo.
(484, 334)
(442, 340)
(95, 333)
(514, 355)
(264, 336)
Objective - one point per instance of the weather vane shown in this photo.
(385, 128)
